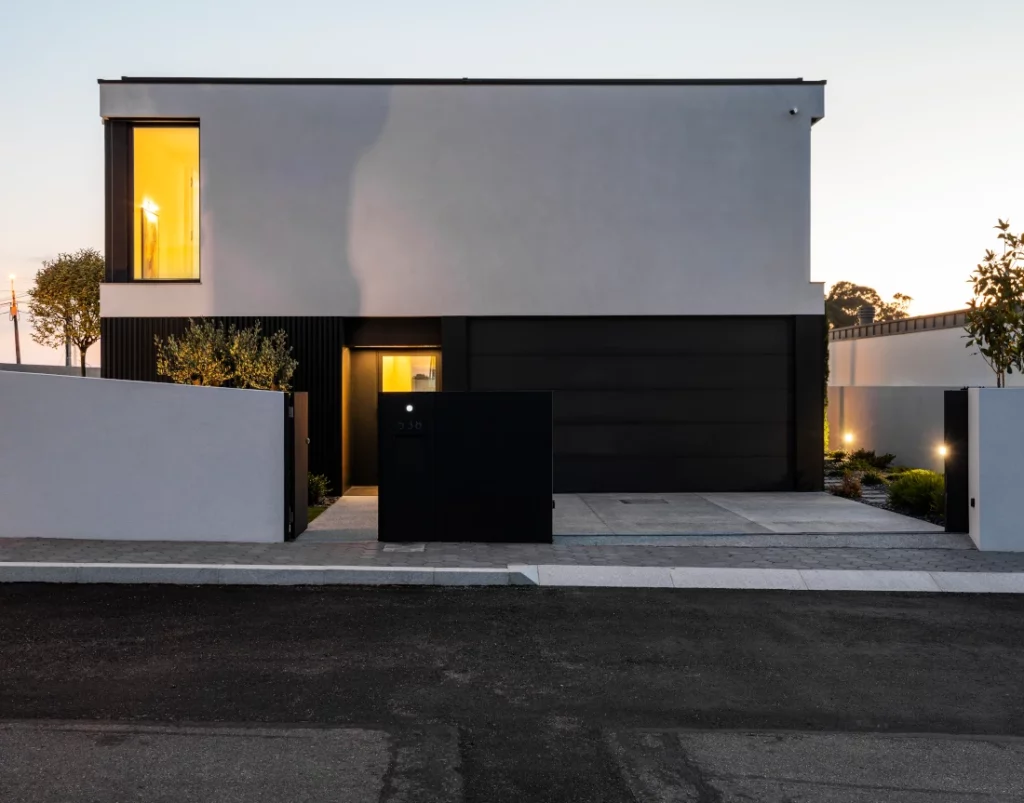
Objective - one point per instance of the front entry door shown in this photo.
(391, 371)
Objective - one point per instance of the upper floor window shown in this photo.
(165, 209)
(152, 200)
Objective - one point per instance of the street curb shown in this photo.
(234, 574)
(553, 575)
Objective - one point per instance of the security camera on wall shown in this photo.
(794, 111)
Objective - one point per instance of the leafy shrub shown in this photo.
(319, 487)
(868, 458)
(897, 470)
(872, 477)
(209, 354)
(849, 488)
(919, 492)
(838, 455)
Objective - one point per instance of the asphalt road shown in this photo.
(514, 694)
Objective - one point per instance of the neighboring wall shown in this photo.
(886, 384)
(100, 458)
(905, 421)
(474, 199)
(62, 370)
(927, 358)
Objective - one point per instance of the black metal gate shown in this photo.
(296, 464)
(956, 442)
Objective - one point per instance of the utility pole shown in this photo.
(14, 317)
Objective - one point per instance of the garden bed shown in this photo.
(865, 477)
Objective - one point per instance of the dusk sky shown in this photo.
(919, 153)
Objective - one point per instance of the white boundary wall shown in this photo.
(101, 458)
(929, 358)
(906, 421)
(995, 433)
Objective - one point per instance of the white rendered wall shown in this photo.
(995, 432)
(931, 358)
(432, 200)
(906, 421)
(101, 458)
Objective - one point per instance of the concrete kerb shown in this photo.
(233, 574)
(518, 574)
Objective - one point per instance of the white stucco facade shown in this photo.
(476, 199)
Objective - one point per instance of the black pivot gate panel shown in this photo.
(465, 467)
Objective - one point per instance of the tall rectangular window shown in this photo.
(165, 212)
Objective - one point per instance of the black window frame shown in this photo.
(119, 151)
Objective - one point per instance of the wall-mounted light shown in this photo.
(408, 408)
(943, 450)
(848, 438)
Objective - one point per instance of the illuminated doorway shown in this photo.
(371, 371)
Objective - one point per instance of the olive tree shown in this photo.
(209, 354)
(65, 302)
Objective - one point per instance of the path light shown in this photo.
(943, 450)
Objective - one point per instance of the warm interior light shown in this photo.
(943, 450)
(848, 437)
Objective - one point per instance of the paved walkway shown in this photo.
(949, 565)
(354, 518)
(790, 541)
(494, 556)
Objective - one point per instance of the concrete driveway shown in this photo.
(354, 518)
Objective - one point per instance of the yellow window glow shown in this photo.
(166, 203)
(402, 373)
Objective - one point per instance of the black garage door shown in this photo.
(652, 404)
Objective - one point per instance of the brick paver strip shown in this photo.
(446, 555)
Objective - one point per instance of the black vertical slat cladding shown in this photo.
(808, 407)
(117, 201)
(455, 354)
(956, 440)
(129, 352)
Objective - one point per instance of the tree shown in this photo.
(200, 357)
(263, 363)
(209, 354)
(65, 302)
(995, 316)
(845, 298)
